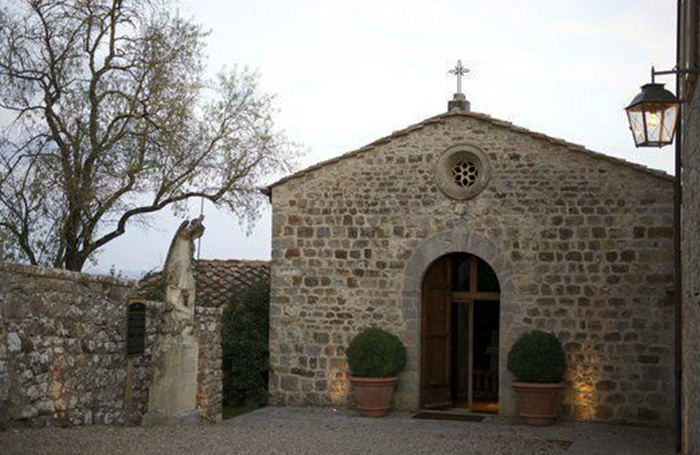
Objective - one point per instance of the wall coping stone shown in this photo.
(67, 275)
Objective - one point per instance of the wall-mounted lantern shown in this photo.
(653, 114)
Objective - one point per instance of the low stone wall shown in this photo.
(62, 341)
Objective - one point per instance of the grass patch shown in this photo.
(231, 412)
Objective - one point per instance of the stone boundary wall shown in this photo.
(62, 341)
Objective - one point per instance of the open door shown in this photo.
(459, 334)
(436, 336)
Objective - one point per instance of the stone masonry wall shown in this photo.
(62, 344)
(690, 238)
(581, 245)
(209, 381)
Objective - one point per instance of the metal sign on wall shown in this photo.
(135, 326)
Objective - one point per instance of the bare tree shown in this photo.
(111, 118)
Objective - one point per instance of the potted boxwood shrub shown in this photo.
(538, 362)
(375, 357)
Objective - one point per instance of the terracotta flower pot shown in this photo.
(538, 404)
(373, 395)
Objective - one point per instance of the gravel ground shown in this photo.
(322, 431)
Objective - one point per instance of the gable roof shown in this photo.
(216, 280)
(441, 118)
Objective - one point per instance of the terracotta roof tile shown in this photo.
(216, 279)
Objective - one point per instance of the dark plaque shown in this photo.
(135, 327)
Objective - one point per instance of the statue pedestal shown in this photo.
(172, 397)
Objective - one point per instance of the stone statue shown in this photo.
(179, 269)
(172, 396)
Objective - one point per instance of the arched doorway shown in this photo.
(459, 334)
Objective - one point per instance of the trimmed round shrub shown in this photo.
(376, 353)
(537, 357)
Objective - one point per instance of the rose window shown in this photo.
(462, 171)
(465, 173)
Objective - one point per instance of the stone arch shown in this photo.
(440, 244)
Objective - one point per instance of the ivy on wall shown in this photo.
(244, 341)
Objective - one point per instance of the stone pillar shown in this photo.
(172, 397)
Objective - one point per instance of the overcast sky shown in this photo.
(348, 72)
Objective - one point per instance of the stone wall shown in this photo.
(690, 238)
(209, 381)
(62, 358)
(581, 245)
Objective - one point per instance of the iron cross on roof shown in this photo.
(459, 71)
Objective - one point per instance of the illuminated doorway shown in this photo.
(459, 334)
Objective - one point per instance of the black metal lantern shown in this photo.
(653, 116)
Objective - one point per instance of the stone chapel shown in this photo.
(458, 234)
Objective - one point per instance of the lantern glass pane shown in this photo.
(653, 118)
(636, 125)
(669, 123)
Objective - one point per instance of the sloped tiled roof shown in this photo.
(483, 117)
(216, 280)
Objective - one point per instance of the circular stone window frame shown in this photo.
(452, 157)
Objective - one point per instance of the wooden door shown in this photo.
(436, 338)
